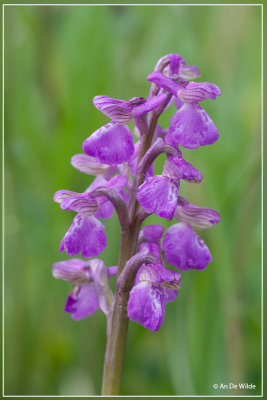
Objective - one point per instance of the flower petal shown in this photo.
(89, 165)
(153, 233)
(159, 194)
(146, 305)
(85, 235)
(197, 217)
(117, 110)
(82, 203)
(184, 249)
(82, 302)
(188, 71)
(73, 270)
(194, 92)
(111, 144)
(192, 127)
(178, 168)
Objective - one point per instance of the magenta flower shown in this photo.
(85, 235)
(159, 194)
(110, 144)
(91, 287)
(191, 126)
(154, 287)
(184, 249)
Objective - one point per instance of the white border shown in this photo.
(3, 208)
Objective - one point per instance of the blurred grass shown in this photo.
(56, 60)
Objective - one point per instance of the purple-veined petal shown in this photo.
(178, 168)
(82, 203)
(62, 194)
(118, 110)
(194, 92)
(89, 165)
(74, 270)
(111, 144)
(188, 71)
(192, 127)
(197, 217)
(79, 202)
(82, 302)
(184, 249)
(158, 195)
(85, 235)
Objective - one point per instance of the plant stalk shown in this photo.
(118, 321)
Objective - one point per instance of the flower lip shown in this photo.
(192, 127)
(110, 144)
(159, 194)
(184, 249)
(154, 288)
(85, 235)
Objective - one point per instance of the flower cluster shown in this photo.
(125, 181)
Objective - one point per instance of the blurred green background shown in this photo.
(56, 60)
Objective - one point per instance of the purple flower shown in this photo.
(154, 286)
(85, 235)
(159, 195)
(110, 144)
(174, 64)
(91, 287)
(197, 217)
(190, 126)
(184, 249)
(178, 168)
(82, 302)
